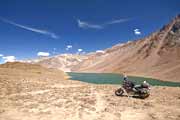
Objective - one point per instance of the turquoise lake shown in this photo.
(110, 78)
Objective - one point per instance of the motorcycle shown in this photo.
(128, 87)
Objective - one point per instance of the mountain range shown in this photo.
(155, 56)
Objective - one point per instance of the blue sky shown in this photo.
(31, 26)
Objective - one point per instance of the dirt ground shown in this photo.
(43, 95)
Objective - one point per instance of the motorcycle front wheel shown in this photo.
(119, 92)
(143, 96)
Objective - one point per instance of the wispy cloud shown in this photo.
(83, 24)
(137, 32)
(1, 55)
(9, 58)
(117, 21)
(44, 32)
(43, 54)
(80, 50)
(68, 47)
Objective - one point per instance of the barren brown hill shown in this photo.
(157, 56)
(18, 77)
(22, 66)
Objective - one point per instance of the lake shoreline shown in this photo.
(116, 79)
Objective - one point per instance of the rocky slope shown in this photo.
(157, 55)
(62, 62)
(32, 92)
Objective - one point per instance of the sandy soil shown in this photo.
(89, 102)
(50, 96)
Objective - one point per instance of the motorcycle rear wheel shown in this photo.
(119, 92)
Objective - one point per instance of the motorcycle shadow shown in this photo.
(136, 97)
